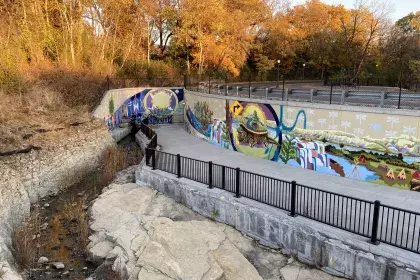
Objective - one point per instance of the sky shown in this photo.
(401, 7)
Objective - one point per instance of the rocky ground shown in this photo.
(60, 160)
(62, 249)
(144, 235)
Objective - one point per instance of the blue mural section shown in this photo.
(152, 106)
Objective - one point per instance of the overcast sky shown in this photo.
(401, 7)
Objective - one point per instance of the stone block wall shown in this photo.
(59, 164)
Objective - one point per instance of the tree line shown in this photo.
(234, 39)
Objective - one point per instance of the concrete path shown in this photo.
(174, 139)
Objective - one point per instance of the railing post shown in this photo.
(154, 160)
(293, 200)
(178, 165)
(238, 183)
(375, 223)
(399, 98)
(210, 175)
(147, 156)
(383, 97)
(282, 91)
(331, 93)
(223, 177)
(343, 96)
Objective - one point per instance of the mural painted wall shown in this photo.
(153, 106)
(373, 147)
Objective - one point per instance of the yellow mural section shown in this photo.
(362, 124)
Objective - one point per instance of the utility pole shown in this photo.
(278, 72)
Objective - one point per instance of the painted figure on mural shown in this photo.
(214, 134)
(200, 117)
(219, 133)
(255, 131)
(155, 106)
(355, 145)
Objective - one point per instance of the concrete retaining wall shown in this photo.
(332, 250)
(119, 96)
(314, 136)
(142, 141)
(27, 177)
(120, 133)
(334, 107)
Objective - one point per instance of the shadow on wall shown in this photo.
(152, 106)
(361, 146)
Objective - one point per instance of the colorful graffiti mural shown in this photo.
(153, 106)
(361, 146)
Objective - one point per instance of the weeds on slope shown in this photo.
(114, 159)
(25, 239)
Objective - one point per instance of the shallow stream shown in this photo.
(63, 223)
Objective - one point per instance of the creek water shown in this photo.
(63, 217)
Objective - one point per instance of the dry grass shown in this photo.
(51, 98)
(113, 162)
(76, 88)
(74, 211)
(25, 250)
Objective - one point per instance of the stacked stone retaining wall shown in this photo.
(25, 178)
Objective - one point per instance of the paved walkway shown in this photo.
(175, 140)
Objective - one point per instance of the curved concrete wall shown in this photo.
(377, 145)
(156, 105)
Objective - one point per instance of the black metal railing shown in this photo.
(399, 227)
(378, 222)
(334, 91)
(341, 211)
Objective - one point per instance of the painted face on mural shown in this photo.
(160, 103)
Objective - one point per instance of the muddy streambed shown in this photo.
(59, 231)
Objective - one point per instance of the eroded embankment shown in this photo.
(64, 159)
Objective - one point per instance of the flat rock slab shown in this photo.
(145, 235)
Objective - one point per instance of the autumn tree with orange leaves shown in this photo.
(234, 38)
